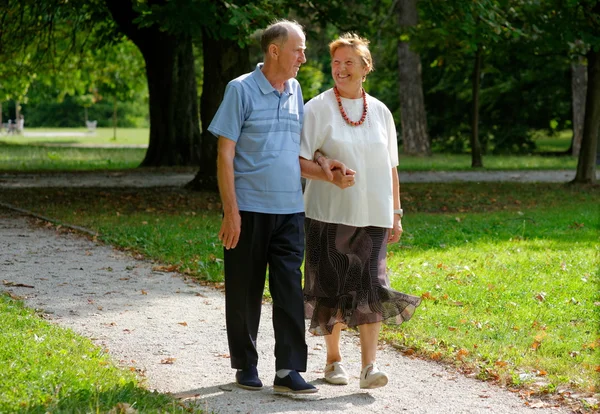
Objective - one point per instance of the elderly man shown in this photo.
(258, 128)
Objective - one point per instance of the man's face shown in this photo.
(291, 54)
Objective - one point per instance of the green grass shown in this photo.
(45, 368)
(462, 162)
(15, 157)
(509, 273)
(59, 153)
(102, 136)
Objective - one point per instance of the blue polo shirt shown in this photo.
(265, 125)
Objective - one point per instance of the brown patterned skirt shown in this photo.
(345, 278)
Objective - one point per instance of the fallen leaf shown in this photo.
(169, 360)
(144, 292)
(436, 356)
(452, 328)
(171, 268)
(535, 345)
(462, 353)
(182, 323)
(501, 363)
(14, 297)
(541, 296)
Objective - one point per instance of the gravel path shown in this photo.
(172, 330)
(139, 178)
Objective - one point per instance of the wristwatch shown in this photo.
(400, 212)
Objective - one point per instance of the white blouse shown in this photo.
(370, 149)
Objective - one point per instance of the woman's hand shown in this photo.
(343, 181)
(396, 231)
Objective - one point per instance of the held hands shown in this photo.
(328, 165)
(396, 231)
(231, 227)
(343, 180)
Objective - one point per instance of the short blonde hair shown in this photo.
(360, 45)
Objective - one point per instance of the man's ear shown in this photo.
(274, 50)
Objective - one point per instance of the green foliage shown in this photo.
(311, 78)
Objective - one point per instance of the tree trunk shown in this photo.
(223, 61)
(578, 90)
(476, 161)
(586, 166)
(1, 124)
(17, 112)
(412, 105)
(174, 122)
(85, 114)
(115, 118)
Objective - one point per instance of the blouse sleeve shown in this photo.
(311, 138)
(392, 138)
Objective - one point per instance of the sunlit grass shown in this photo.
(462, 162)
(79, 136)
(508, 272)
(510, 296)
(55, 153)
(41, 158)
(44, 368)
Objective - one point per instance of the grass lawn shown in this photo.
(66, 153)
(45, 369)
(79, 136)
(508, 273)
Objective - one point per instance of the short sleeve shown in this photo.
(310, 139)
(392, 138)
(230, 116)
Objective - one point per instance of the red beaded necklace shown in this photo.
(344, 115)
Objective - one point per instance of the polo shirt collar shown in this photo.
(265, 86)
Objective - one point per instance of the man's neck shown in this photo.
(273, 77)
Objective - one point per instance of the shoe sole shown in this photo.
(286, 390)
(378, 383)
(337, 381)
(248, 387)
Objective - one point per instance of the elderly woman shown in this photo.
(350, 218)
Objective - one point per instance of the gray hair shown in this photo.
(277, 33)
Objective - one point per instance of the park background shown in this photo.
(505, 85)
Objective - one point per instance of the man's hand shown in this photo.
(329, 165)
(343, 181)
(231, 227)
(396, 231)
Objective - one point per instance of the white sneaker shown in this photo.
(371, 377)
(336, 374)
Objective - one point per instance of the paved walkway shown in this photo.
(140, 178)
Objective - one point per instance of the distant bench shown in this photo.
(91, 125)
(13, 127)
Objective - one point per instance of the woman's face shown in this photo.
(347, 69)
